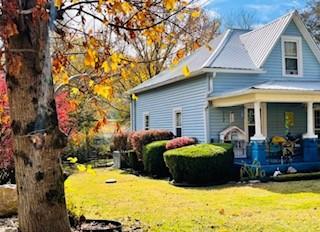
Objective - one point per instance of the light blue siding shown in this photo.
(276, 119)
(190, 95)
(273, 65)
(220, 120)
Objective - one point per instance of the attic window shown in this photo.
(291, 56)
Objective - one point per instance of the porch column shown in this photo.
(310, 143)
(258, 146)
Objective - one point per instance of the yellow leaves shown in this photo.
(195, 14)
(106, 67)
(115, 60)
(58, 3)
(73, 160)
(74, 91)
(103, 91)
(186, 71)
(126, 7)
(81, 168)
(91, 58)
(169, 4)
(154, 34)
(134, 97)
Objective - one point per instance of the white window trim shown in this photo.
(298, 40)
(174, 125)
(144, 120)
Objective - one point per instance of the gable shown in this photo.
(273, 64)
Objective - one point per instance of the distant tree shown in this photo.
(240, 19)
(311, 16)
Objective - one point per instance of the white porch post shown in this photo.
(310, 122)
(310, 141)
(257, 118)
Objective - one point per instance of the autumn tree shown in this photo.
(31, 67)
(311, 16)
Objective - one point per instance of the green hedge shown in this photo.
(200, 164)
(153, 161)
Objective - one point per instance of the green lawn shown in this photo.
(291, 206)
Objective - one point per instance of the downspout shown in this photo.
(132, 114)
(210, 77)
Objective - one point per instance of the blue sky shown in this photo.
(264, 10)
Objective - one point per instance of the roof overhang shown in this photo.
(259, 95)
(197, 73)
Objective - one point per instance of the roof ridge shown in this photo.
(219, 48)
(270, 23)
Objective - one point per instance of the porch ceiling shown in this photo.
(256, 95)
(286, 91)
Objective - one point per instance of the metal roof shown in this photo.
(278, 85)
(260, 42)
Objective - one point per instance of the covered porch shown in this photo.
(281, 122)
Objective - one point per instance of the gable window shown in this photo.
(291, 56)
(146, 121)
(177, 121)
(317, 122)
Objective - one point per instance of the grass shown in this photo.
(291, 206)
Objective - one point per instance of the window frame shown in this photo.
(299, 58)
(174, 120)
(146, 114)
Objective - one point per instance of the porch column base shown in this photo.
(310, 149)
(258, 151)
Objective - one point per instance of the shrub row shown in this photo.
(153, 161)
(180, 142)
(200, 164)
(125, 141)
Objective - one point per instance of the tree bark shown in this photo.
(37, 138)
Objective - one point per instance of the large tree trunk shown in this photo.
(37, 138)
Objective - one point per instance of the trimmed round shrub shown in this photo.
(200, 164)
(180, 142)
(153, 161)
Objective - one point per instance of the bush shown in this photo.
(200, 164)
(180, 142)
(141, 138)
(134, 162)
(153, 158)
(121, 141)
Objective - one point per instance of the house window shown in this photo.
(146, 121)
(178, 122)
(292, 59)
(317, 122)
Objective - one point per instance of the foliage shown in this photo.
(281, 207)
(200, 164)
(311, 15)
(85, 148)
(134, 162)
(180, 142)
(153, 161)
(252, 171)
(6, 150)
(141, 138)
(121, 141)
